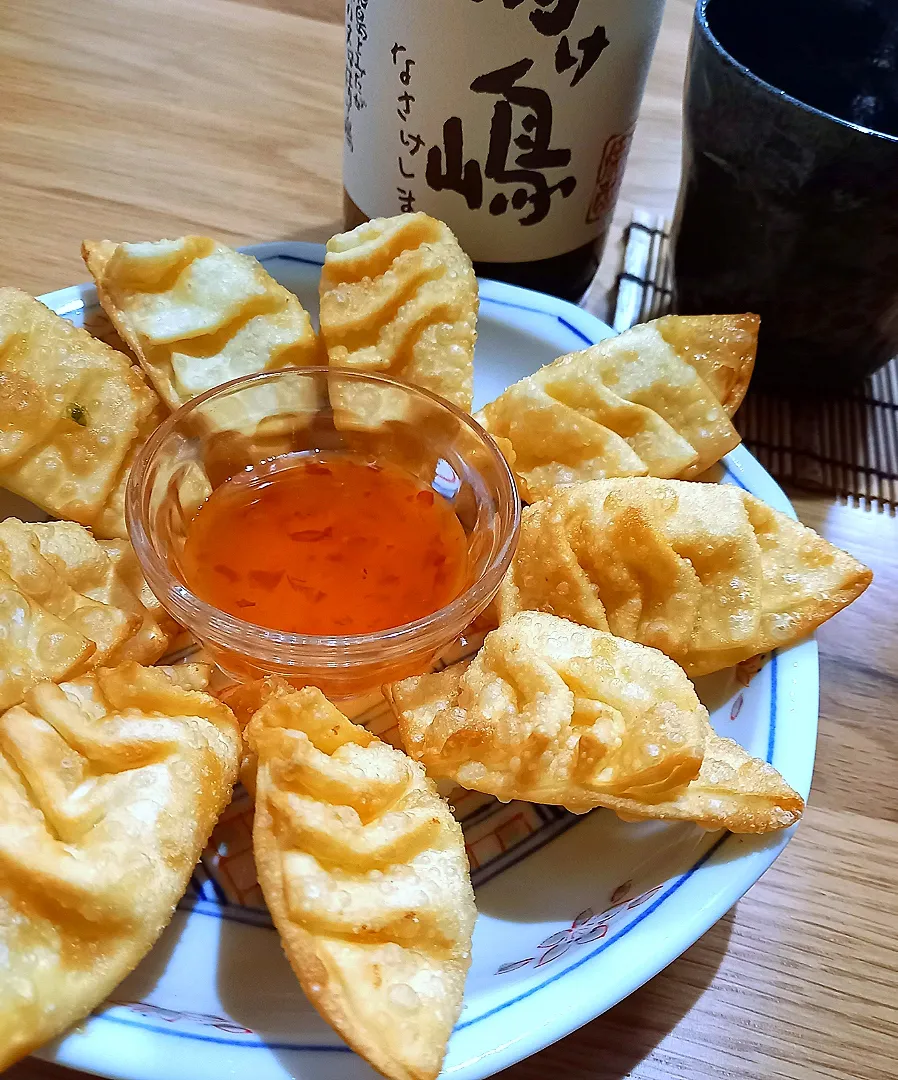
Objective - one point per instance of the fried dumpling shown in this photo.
(124, 559)
(197, 313)
(552, 712)
(35, 645)
(706, 573)
(628, 406)
(66, 607)
(721, 348)
(45, 580)
(110, 523)
(399, 298)
(244, 700)
(364, 871)
(71, 412)
(69, 607)
(107, 572)
(110, 786)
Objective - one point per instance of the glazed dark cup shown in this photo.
(785, 209)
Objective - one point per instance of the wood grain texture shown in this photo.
(133, 119)
(144, 118)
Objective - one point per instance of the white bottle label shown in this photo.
(508, 119)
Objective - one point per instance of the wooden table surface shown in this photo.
(146, 118)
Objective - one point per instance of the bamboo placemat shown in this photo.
(846, 445)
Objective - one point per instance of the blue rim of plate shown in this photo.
(589, 330)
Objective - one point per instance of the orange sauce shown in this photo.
(329, 544)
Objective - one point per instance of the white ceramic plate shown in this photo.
(575, 913)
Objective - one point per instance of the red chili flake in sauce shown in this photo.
(377, 548)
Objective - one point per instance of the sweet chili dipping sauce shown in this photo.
(325, 545)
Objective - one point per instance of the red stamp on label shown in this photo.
(610, 174)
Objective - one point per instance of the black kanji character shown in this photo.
(412, 142)
(455, 174)
(396, 50)
(564, 58)
(591, 48)
(538, 124)
(554, 22)
(536, 153)
(402, 172)
(406, 200)
(405, 102)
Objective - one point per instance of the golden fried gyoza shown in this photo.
(108, 572)
(552, 712)
(110, 522)
(721, 348)
(72, 607)
(628, 406)
(35, 645)
(399, 298)
(706, 573)
(244, 700)
(364, 871)
(127, 569)
(45, 581)
(197, 313)
(71, 412)
(110, 786)
(63, 610)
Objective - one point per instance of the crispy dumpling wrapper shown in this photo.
(35, 645)
(127, 570)
(363, 868)
(110, 523)
(245, 700)
(399, 297)
(70, 606)
(721, 348)
(111, 785)
(706, 573)
(71, 411)
(107, 571)
(628, 406)
(45, 580)
(197, 313)
(552, 712)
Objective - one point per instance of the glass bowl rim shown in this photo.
(227, 630)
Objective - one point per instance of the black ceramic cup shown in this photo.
(789, 198)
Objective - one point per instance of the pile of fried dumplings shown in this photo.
(631, 577)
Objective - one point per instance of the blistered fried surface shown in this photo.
(110, 523)
(399, 297)
(111, 785)
(721, 348)
(552, 712)
(364, 870)
(628, 406)
(69, 606)
(107, 572)
(34, 644)
(71, 411)
(197, 313)
(706, 573)
(127, 570)
(43, 577)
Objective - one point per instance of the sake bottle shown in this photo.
(508, 119)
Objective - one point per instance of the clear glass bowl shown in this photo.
(311, 410)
